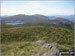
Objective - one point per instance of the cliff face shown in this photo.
(52, 47)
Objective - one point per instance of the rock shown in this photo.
(41, 42)
(52, 45)
(50, 54)
(36, 55)
(45, 45)
(53, 49)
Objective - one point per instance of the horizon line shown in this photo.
(38, 14)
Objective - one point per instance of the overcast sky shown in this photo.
(37, 7)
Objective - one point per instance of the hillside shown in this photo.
(27, 20)
(68, 17)
(21, 39)
(19, 34)
(36, 20)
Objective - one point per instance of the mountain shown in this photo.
(63, 23)
(4, 16)
(68, 17)
(63, 20)
(35, 20)
(71, 17)
(27, 19)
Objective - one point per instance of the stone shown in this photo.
(36, 55)
(53, 50)
(52, 47)
(41, 42)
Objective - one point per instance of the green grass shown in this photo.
(21, 40)
(21, 48)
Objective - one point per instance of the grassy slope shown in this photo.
(21, 48)
(15, 39)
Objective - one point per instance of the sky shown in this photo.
(37, 7)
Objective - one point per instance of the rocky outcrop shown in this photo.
(53, 50)
(52, 47)
(41, 42)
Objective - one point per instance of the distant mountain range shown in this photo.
(4, 16)
(69, 17)
(34, 20)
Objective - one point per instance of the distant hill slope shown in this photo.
(68, 17)
(34, 20)
(27, 20)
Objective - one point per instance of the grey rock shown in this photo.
(36, 55)
(53, 50)
(41, 42)
(52, 47)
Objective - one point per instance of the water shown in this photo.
(15, 23)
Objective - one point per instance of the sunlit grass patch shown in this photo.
(21, 48)
(65, 47)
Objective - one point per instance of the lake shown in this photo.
(14, 23)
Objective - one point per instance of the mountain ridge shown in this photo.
(35, 20)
